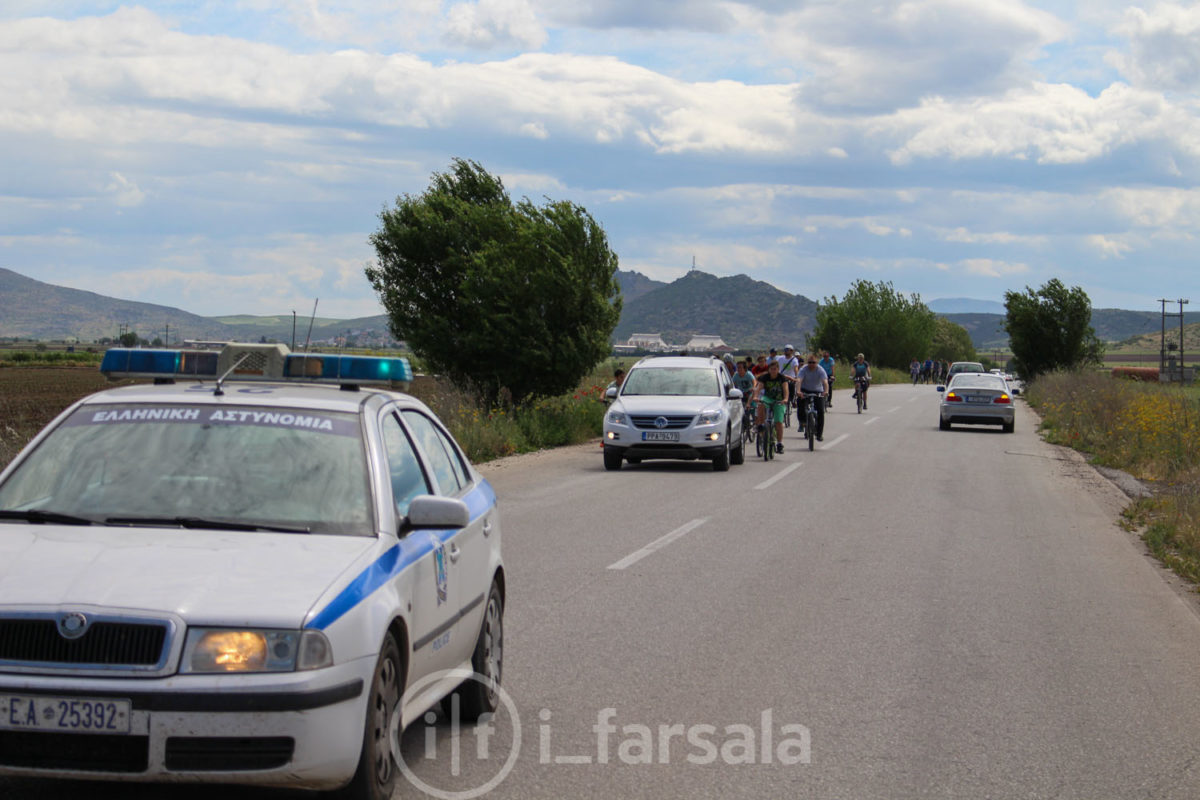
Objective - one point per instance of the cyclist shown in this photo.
(926, 370)
(760, 366)
(744, 380)
(861, 369)
(772, 389)
(814, 381)
(914, 369)
(826, 363)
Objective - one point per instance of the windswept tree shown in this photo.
(952, 342)
(876, 320)
(500, 297)
(1051, 329)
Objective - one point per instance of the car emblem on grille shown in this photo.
(73, 625)
(660, 423)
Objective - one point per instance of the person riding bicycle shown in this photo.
(914, 369)
(771, 388)
(826, 363)
(860, 370)
(744, 380)
(814, 381)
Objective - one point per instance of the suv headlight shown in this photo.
(617, 417)
(711, 417)
(222, 650)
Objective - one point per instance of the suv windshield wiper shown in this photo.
(40, 517)
(200, 522)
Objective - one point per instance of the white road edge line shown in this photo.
(658, 544)
(833, 444)
(872, 420)
(769, 482)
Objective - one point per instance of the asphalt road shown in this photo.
(903, 613)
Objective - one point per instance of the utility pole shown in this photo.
(293, 329)
(1164, 364)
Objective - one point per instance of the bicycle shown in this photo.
(765, 441)
(748, 428)
(810, 417)
(860, 393)
(829, 400)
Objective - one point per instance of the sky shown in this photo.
(233, 156)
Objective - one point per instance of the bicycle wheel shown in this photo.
(758, 444)
(859, 396)
(787, 414)
(767, 440)
(811, 429)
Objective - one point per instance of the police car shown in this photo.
(233, 575)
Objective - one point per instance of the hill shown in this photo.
(746, 313)
(1111, 325)
(635, 284)
(964, 305)
(31, 309)
(1151, 342)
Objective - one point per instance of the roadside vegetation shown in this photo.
(49, 358)
(1150, 430)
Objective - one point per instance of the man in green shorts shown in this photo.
(771, 389)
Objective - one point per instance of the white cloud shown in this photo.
(124, 192)
(990, 268)
(1108, 246)
(1164, 47)
(487, 24)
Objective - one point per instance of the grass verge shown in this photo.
(1151, 431)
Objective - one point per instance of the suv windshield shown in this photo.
(295, 469)
(691, 381)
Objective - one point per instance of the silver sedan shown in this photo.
(977, 399)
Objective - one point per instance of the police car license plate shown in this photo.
(660, 436)
(63, 714)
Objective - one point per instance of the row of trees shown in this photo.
(512, 300)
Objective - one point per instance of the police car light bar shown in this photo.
(254, 362)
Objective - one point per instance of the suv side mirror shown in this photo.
(733, 393)
(611, 393)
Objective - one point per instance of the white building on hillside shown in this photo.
(649, 341)
(703, 343)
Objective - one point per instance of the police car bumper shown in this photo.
(300, 729)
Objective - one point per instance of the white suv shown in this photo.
(678, 407)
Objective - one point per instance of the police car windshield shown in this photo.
(241, 466)
(690, 381)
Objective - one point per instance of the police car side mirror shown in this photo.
(733, 393)
(430, 511)
(611, 393)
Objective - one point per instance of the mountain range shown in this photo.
(745, 312)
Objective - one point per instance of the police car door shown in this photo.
(434, 611)
(465, 589)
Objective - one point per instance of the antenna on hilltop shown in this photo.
(693, 263)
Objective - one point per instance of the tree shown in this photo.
(128, 339)
(499, 297)
(1051, 329)
(952, 342)
(874, 319)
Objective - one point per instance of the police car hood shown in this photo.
(206, 577)
(669, 404)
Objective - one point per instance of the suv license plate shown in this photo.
(660, 436)
(63, 714)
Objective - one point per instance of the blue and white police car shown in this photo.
(232, 574)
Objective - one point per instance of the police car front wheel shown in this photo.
(375, 778)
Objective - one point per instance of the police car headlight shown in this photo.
(710, 417)
(219, 650)
(617, 418)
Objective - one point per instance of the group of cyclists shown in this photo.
(931, 370)
(770, 382)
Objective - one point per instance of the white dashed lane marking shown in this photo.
(657, 544)
(769, 482)
(834, 443)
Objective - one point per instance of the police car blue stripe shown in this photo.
(410, 550)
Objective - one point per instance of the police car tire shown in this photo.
(475, 698)
(375, 778)
(612, 459)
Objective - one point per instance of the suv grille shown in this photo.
(675, 422)
(125, 644)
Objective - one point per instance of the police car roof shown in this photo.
(309, 396)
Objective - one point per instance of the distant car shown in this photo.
(976, 399)
(236, 581)
(963, 366)
(678, 407)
